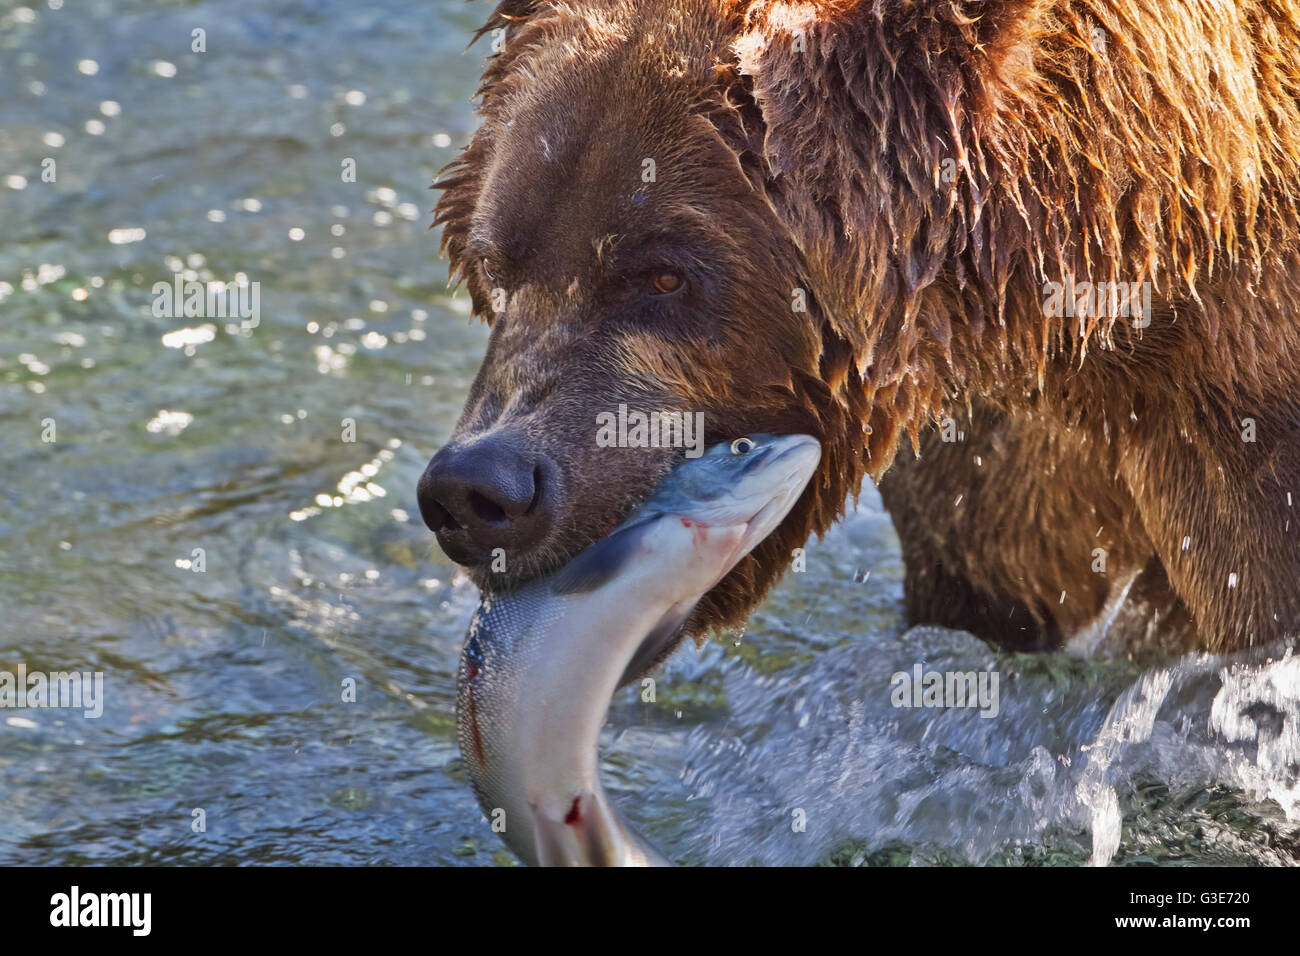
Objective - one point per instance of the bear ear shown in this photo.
(824, 71)
(507, 16)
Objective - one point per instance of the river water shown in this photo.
(221, 519)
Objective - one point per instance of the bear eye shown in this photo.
(666, 281)
(742, 446)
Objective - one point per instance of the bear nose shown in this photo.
(486, 494)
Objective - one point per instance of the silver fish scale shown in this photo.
(504, 628)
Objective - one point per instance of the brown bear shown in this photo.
(1050, 247)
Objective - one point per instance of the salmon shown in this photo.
(541, 663)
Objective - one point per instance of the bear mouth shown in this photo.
(498, 567)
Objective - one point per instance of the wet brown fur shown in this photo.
(807, 146)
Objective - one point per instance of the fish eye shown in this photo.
(742, 446)
(666, 281)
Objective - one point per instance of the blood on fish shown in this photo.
(474, 733)
(699, 532)
(574, 816)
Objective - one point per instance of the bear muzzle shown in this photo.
(489, 499)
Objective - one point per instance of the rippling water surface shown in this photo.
(186, 444)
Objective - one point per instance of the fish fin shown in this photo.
(551, 843)
(654, 644)
(601, 562)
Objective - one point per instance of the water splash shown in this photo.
(1078, 751)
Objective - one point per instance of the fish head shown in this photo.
(706, 515)
(740, 489)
